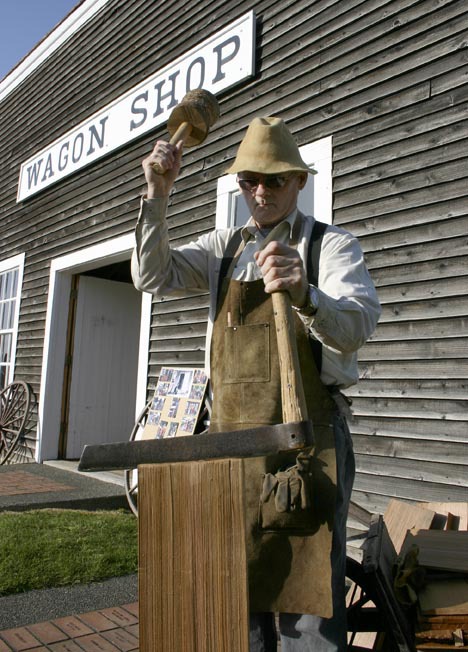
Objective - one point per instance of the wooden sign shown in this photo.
(176, 403)
(224, 59)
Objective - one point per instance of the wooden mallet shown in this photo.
(191, 119)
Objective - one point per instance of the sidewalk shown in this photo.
(100, 616)
(36, 486)
(111, 629)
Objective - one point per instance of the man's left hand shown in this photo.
(282, 270)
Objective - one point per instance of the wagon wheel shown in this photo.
(131, 475)
(371, 615)
(15, 401)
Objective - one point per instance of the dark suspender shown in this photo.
(313, 262)
(229, 253)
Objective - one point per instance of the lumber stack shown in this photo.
(440, 532)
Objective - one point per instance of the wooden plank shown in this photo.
(414, 408)
(426, 349)
(426, 309)
(439, 127)
(193, 593)
(417, 234)
(422, 290)
(438, 622)
(460, 510)
(374, 491)
(423, 329)
(415, 369)
(440, 549)
(435, 212)
(440, 647)
(444, 597)
(180, 344)
(395, 202)
(410, 182)
(453, 475)
(450, 80)
(399, 517)
(423, 388)
(407, 118)
(394, 166)
(430, 429)
(422, 450)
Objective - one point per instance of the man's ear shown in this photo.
(302, 180)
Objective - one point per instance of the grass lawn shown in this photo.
(58, 547)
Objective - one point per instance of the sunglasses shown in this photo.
(272, 181)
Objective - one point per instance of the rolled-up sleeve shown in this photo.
(348, 306)
(160, 270)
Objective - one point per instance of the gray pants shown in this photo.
(302, 632)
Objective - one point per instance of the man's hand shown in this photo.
(282, 270)
(167, 158)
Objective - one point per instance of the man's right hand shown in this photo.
(167, 158)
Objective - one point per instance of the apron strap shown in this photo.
(313, 263)
(231, 253)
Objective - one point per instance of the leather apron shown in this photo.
(288, 552)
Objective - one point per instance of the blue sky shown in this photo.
(23, 23)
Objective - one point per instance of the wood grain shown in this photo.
(192, 568)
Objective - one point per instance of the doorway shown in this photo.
(97, 350)
(101, 362)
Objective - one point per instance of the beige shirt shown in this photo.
(348, 307)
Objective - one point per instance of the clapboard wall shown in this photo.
(387, 79)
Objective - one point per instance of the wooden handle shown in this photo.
(292, 390)
(182, 133)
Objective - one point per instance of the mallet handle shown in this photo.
(182, 133)
(292, 390)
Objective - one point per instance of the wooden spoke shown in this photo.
(15, 402)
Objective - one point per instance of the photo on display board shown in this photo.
(176, 403)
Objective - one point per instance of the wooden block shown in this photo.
(440, 635)
(458, 638)
(400, 517)
(459, 510)
(448, 597)
(441, 549)
(441, 622)
(193, 589)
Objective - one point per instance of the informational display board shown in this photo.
(176, 403)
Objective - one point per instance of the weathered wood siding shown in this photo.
(388, 80)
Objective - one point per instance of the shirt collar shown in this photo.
(250, 229)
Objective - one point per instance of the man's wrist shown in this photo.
(311, 304)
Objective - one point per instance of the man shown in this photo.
(337, 312)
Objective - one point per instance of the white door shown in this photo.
(104, 364)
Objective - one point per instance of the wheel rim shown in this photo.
(15, 401)
(131, 475)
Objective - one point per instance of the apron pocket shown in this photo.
(297, 521)
(247, 353)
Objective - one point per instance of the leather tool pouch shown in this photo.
(286, 499)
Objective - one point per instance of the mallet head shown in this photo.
(199, 108)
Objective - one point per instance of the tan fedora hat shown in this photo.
(268, 148)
